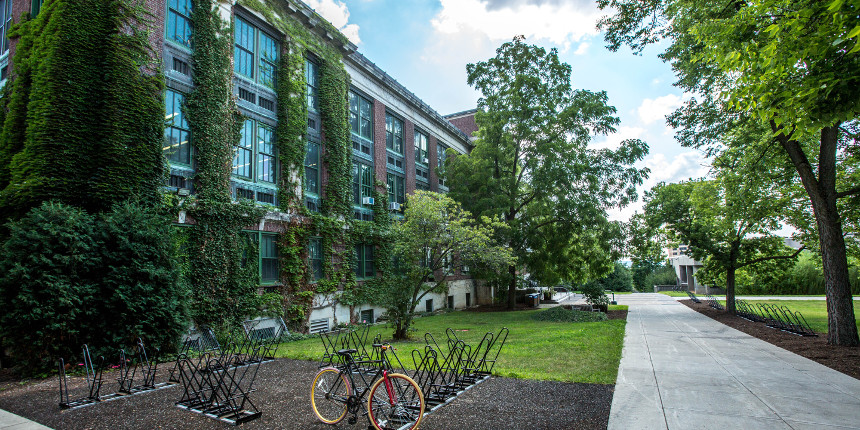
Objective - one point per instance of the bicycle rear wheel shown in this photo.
(403, 407)
(329, 393)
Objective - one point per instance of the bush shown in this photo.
(594, 294)
(69, 278)
(560, 314)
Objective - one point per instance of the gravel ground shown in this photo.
(282, 396)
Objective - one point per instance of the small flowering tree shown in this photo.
(434, 229)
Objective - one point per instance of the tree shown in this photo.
(435, 229)
(531, 167)
(619, 279)
(792, 66)
(645, 251)
(725, 222)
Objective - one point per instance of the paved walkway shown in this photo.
(10, 421)
(682, 370)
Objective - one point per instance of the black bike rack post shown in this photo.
(94, 382)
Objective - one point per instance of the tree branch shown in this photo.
(775, 257)
(848, 193)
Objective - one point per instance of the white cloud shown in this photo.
(582, 48)
(337, 14)
(652, 110)
(613, 141)
(683, 166)
(560, 23)
(675, 168)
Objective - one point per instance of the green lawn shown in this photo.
(570, 352)
(674, 293)
(814, 311)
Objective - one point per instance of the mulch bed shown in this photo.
(840, 358)
(282, 396)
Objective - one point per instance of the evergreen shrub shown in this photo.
(69, 278)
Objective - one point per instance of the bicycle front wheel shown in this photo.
(397, 404)
(329, 393)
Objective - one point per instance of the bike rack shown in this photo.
(693, 297)
(219, 386)
(94, 382)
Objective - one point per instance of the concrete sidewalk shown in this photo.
(682, 370)
(10, 421)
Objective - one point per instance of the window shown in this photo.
(367, 316)
(468, 299)
(394, 134)
(179, 21)
(450, 302)
(362, 183)
(311, 76)
(361, 123)
(364, 261)
(422, 186)
(396, 189)
(440, 163)
(5, 23)
(428, 305)
(312, 171)
(268, 258)
(257, 142)
(315, 258)
(420, 148)
(255, 54)
(177, 147)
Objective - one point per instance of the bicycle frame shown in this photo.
(357, 399)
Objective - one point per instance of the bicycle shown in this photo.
(334, 393)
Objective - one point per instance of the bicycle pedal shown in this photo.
(352, 420)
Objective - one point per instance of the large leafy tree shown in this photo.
(790, 65)
(531, 167)
(726, 222)
(435, 230)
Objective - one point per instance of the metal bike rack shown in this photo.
(94, 382)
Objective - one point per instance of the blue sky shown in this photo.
(426, 44)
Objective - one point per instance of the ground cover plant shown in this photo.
(586, 352)
(814, 311)
(560, 314)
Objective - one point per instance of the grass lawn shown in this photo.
(569, 352)
(674, 293)
(814, 311)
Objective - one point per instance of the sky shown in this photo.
(426, 44)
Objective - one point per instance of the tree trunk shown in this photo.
(841, 325)
(512, 287)
(730, 289)
(730, 278)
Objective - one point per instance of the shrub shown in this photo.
(560, 314)
(594, 295)
(68, 278)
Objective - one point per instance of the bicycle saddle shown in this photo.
(347, 351)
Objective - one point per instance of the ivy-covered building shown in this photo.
(325, 145)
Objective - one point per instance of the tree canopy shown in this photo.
(532, 168)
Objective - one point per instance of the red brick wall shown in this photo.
(158, 9)
(19, 7)
(466, 124)
(409, 154)
(379, 154)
